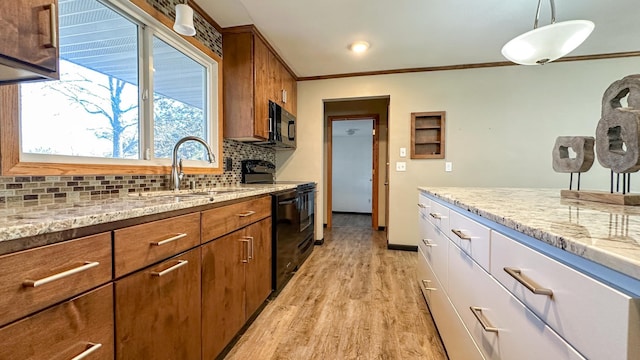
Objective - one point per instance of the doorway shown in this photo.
(352, 165)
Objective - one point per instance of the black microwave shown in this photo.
(282, 128)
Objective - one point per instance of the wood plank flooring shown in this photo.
(350, 219)
(352, 299)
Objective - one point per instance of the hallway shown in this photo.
(352, 299)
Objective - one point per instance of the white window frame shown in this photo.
(148, 27)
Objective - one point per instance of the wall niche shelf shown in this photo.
(427, 135)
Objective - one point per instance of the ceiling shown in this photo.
(312, 36)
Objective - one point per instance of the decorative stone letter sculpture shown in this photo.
(618, 131)
(581, 145)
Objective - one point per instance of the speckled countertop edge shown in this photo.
(605, 234)
(37, 220)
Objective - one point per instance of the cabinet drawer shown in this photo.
(158, 310)
(424, 204)
(454, 335)
(138, 246)
(33, 279)
(471, 237)
(81, 325)
(502, 326)
(223, 220)
(434, 246)
(426, 279)
(599, 321)
(439, 216)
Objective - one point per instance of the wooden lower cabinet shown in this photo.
(258, 269)
(157, 310)
(83, 325)
(236, 280)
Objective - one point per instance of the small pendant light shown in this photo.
(184, 20)
(547, 43)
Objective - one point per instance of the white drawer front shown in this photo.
(424, 204)
(439, 216)
(434, 245)
(426, 279)
(471, 237)
(455, 336)
(502, 327)
(599, 321)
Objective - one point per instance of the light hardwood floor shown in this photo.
(352, 299)
(350, 219)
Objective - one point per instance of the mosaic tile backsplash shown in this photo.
(20, 191)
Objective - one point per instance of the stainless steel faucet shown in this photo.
(176, 167)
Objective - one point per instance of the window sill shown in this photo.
(41, 168)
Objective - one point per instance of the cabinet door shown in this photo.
(258, 269)
(83, 325)
(262, 88)
(27, 32)
(158, 310)
(288, 85)
(222, 291)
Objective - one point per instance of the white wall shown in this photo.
(352, 159)
(501, 126)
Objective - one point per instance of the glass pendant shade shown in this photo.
(547, 43)
(184, 20)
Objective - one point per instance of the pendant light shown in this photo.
(547, 43)
(184, 20)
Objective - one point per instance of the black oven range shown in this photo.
(293, 221)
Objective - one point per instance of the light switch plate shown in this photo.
(448, 166)
(403, 152)
(401, 166)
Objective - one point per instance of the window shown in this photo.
(129, 89)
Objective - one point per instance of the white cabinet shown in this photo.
(502, 327)
(471, 237)
(600, 321)
(488, 300)
(456, 338)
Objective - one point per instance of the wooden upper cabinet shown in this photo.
(29, 39)
(253, 75)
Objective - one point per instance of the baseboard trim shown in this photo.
(319, 242)
(402, 247)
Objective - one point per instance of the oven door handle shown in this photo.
(288, 202)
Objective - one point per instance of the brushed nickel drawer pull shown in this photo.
(164, 272)
(35, 283)
(528, 283)
(165, 241)
(421, 206)
(436, 216)
(486, 325)
(53, 26)
(246, 241)
(425, 284)
(460, 234)
(248, 213)
(428, 243)
(92, 348)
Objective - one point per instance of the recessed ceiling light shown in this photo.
(359, 46)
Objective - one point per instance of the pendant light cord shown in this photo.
(553, 13)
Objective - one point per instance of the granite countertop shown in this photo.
(17, 223)
(606, 234)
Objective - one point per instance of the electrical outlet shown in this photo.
(401, 166)
(448, 166)
(403, 152)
